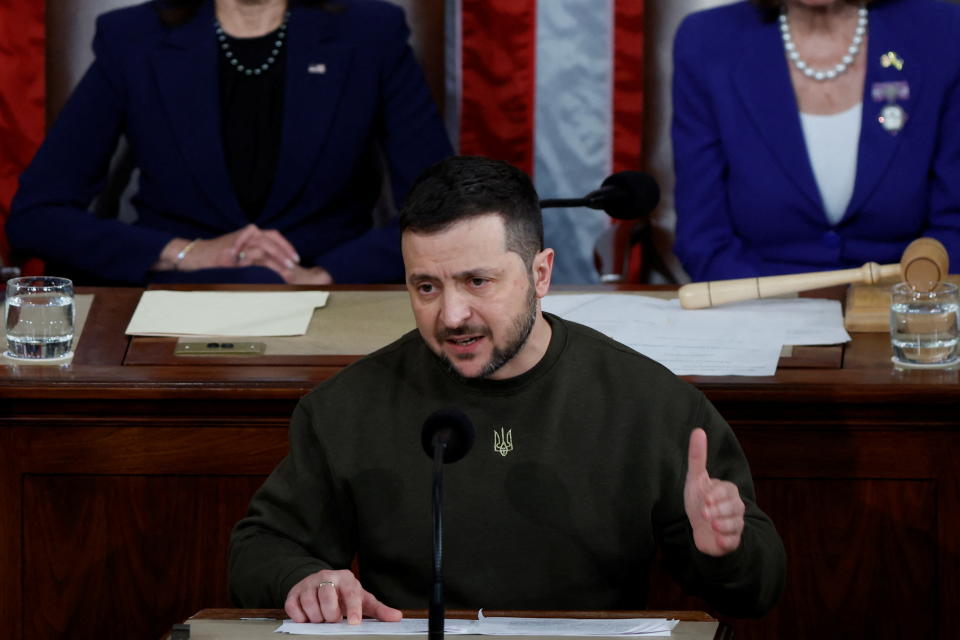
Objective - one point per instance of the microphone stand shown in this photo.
(447, 436)
(435, 628)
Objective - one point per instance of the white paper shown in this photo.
(647, 627)
(805, 321)
(644, 627)
(737, 339)
(406, 627)
(225, 313)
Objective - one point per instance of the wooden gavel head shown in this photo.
(924, 264)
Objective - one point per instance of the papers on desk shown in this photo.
(647, 627)
(225, 313)
(643, 627)
(736, 339)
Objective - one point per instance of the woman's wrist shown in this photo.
(183, 253)
(173, 254)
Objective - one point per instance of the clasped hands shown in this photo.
(246, 247)
(714, 508)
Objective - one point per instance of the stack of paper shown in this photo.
(225, 313)
(736, 339)
(644, 627)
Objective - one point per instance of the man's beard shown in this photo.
(520, 331)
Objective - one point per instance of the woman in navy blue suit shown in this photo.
(259, 130)
(815, 134)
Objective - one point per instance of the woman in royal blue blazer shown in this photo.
(815, 134)
(258, 130)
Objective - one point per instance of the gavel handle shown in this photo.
(700, 295)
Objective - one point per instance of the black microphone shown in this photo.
(451, 429)
(626, 195)
(446, 437)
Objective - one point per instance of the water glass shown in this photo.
(39, 318)
(924, 325)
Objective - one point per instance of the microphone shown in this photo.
(446, 437)
(626, 195)
(451, 429)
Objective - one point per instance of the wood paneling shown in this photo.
(125, 553)
(11, 591)
(856, 549)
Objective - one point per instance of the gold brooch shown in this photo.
(891, 59)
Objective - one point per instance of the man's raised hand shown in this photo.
(713, 506)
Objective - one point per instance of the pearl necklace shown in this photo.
(823, 74)
(258, 69)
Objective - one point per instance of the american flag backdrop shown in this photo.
(556, 88)
(22, 95)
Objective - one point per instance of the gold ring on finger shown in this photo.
(327, 583)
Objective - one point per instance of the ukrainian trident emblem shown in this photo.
(503, 441)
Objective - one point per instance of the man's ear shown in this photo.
(542, 271)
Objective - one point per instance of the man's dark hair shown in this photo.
(462, 187)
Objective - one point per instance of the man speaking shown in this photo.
(588, 455)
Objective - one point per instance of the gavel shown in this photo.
(924, 264)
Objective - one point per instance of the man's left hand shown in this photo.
(713, 506)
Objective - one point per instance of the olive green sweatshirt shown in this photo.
(575, 478)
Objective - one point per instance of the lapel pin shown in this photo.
(890, 91)
(892, 118)
(891, 59)
(318, 68)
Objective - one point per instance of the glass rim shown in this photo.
(38, 283)
(905, 288)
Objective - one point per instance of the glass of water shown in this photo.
(39, 318)
(924, 325)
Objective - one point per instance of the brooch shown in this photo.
(892, 116)
(891, 59)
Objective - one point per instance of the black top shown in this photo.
(251, 116)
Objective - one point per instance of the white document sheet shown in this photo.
(805, 321)
(406, 627)
(643, 627)
(737, 339)
(647, 627)
(225, 313)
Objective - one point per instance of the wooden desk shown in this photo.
(119, 485)
(249, 624)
